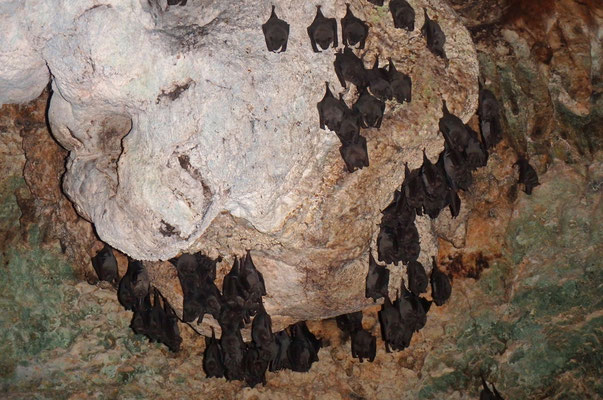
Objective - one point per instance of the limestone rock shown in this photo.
(186, 134)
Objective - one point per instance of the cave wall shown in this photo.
(525, 308)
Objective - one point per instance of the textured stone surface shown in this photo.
(186, 134)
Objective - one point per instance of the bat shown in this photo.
(489, 118)
(403, 15)
(401, 84)
(436, 188)
(276, 33)
(322, 31)
(413, 309)
(364, 345)
(158, 323)
(261, 330)
(456, 169)
(353, 30)
(141, 318)
(255, 366)
(134, 285)
(354, 153)
(349, 67)
(476, 152)
(303, 350)
(281, 359)
(174, 2)
(213, 363)
(413, 190)
(251, 278)
(395, 335)
(440, 285)
(233, 350)
(331, 111)
(398, 210)
(171, 332)
(435, 36)
(527, 175)
(454, 130)
(417, 278)
(378, 82)
(349, 129)
(370, 109)
(351, 322)
(105, 264)
(487, 394)
(397, 241)
(454, 203)
(377, 279)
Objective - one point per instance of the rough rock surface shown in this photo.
(186, 134)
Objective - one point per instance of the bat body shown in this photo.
(349, 67)
(331, 111)
(476, 152)
(527, 175)
(322, 31)
(281, 360)
(134, 285)
(413, 309)
(403, 14)
(417, 278)
(303, 350)
(354, 153)
(233, 350)
(353, 30)
(364, 345)
(397, 241)
(105, 264)
(455, 166)
(261, 331)
(370, 109)
(276, 33)
(253, 284)
(213, 363)
(432, 31)
(413, 190)
(440, 285)
(349, 129)
(454, 203)
(379, 83)
(401, 84)
(489, 118)
(377, 280)
(395, 335)
(454, 130)
(255, 366)
(399, 210)
(435, 186)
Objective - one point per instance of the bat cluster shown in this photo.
(156, 321)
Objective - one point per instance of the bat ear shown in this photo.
(174, 261)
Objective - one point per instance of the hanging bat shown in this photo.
(370, 109)
(403, 15)
(233, 350)
(281, 360)
(134, 286)
(527, 175)
(401, 84)
(349, 129)
(354, 153)
(276, 33)
(453, 129)
(141, 317)
(398, 211)
(303, 350)
(364, 345)
(171, 333)
(413, 189)
(413, 309)
(433, 178)
(395, 335)
(454, 203)
(322, 31)
(487, 394)
(417, 278)
(253, 284)
(377, 279)
(213, 363)
(435, 36)
(261, 330)
(254, 366)
(349, 323)
(349, 67)
(456, 169)
(105, 264)
(378, 82)
(440, 285)
(353, 30)
(331, 110)
(489, 118)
